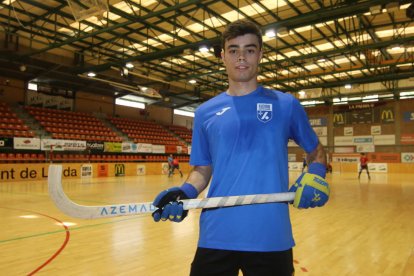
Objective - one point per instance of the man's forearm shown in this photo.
(199, 177)
(318, 155)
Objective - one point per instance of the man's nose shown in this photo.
(241, 56)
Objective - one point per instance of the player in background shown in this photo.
(175, 165)
(240, 142)
(363, 161)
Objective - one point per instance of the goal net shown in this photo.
(87, 8)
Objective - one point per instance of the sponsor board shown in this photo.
(165, 168)
(376, 167)
(365, 148)
(112, 147)
(348, 131)
(102, 170)
(375, 130)
(86, 171)
(26, 143)
(384, 139)
(344, 149)
(119, 169)
(158, 148)
(407, 157)
(321, 131)
(295, 166)
(408, 116)
(322, 121)
(385, 157)
(407, 139)
(292, 157)
(141, 147)
(63, 145)
(339, 119)
(141, 169)
(387, 116)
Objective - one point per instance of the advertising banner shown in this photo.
(295, 166)
(102, 170)
(95, 146)
(384, 139)
(63, 145)
(407, 139)
(86, 171)
(112, 147)
(144, 147)
(129, 147)
(141, 169)
(407, 157)
(158, 148)
(408, 116)
(26, 143)
(322, 121)
(348, 131)
(6, 143)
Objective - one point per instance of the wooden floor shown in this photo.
(366, 229)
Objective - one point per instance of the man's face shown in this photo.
(241, 56)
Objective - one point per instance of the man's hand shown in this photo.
(168, 204)
(311, 188)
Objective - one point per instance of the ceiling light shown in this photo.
(203, 49)
(192, 81)
(348, 86)
(143, 88)
(302, 93)
(124, 72)
(270, 33)
(91, 74)
(129, 65)
(396, 47)
(321, 60)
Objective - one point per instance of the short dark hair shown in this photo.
(239, 28)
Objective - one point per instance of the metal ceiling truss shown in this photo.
(150, 35)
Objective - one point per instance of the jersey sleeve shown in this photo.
(300, 129)
(200, 154)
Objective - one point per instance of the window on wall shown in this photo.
(130, 103)
(32, 86)
(183, 113)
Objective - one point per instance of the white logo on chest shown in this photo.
(264, 112)
(222, 111)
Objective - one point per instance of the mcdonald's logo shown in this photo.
(387, 115)
(119, 169)
(338, 119)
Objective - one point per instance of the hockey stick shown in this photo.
(72, 209)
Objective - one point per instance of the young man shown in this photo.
(363, 160)
(240, 141)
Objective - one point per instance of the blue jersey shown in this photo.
(244, 139)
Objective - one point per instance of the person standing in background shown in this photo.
(363, 161)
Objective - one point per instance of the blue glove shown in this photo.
(168, 204)
(311, 188)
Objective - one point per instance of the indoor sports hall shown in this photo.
(96, 95)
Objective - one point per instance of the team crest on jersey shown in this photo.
(264, 112)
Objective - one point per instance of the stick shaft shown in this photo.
(94, 212)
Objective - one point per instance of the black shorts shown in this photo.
(228, 263)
